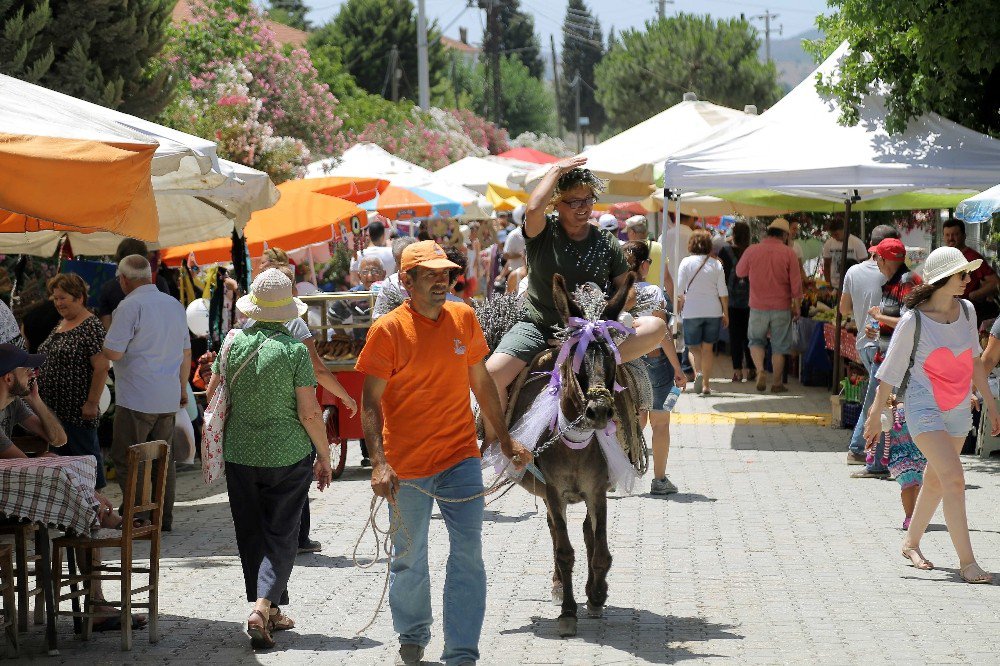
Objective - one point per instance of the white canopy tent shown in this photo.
(198, 196)
(369, 160)
(798, 153)
(799, 149)
(477, 173)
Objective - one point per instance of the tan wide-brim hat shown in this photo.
(945, 262)
(270, 299)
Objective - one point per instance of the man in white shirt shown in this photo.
(376, 248)
(833, 262)
(862, 290)
(673, 253)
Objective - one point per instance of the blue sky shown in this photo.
(796, 16)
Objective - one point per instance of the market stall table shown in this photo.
(848, 342)
(52, 492)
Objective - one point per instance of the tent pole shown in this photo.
(837, 359)
(862, 236)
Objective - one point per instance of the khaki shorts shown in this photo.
(524, 341)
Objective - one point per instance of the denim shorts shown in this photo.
(778, 322)
(702, 330)
(661, 376)
(923, 415)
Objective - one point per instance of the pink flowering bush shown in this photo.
(552, 145)
(435, 138)
(265, 107)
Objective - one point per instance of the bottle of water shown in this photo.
(671, 400)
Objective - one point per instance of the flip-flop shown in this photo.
(983, 577)
(921, 563)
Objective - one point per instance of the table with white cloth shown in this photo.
(52, 492)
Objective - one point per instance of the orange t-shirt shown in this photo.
(428, 425)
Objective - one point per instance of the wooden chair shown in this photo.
(145, 488)
(7, 590)
(24, 571)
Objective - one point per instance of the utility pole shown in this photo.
(767, 16)
(394, 73)
(555, 79)
(493, 48)
(423, 68)
(579, 131)
(661, 8)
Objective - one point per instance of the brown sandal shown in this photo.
(280, 621)
(260, 636)
(919, 562)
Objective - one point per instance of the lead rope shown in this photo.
(383, 537)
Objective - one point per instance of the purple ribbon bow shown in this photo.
(582, 332)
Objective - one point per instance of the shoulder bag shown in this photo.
(213, 466)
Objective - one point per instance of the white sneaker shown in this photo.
(662, 487)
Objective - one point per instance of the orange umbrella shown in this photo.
(357, 190)
(77, 185)
(301, 217)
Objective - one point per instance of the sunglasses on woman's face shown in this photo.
(576, 203)
(963, 274)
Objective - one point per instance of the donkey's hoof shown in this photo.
(557, 593)
(594, 611)
(567, 626)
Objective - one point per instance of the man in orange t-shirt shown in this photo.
(420, 362)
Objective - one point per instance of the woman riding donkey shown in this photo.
(565, 243)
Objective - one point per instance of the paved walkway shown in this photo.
(770, 554)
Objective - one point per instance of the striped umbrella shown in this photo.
(405, 203)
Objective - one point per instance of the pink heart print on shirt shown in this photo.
(950, 376)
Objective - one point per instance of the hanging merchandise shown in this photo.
(241, 262)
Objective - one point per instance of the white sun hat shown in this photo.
(608, 222)
(270, 299)
(945, 262)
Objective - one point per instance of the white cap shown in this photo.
(608, 222)
(945, 262)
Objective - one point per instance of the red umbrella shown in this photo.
(529, 155)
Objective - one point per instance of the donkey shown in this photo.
(587, 401)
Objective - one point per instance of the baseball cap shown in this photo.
(890, 248)
(780, 223)
(608, 222)
(13, 357)
(425, 253)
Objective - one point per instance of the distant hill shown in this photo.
(794, 64)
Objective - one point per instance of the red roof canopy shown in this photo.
(529, 155)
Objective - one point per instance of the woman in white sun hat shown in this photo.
(272, 426)
(934, 358)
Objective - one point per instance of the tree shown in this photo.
(365, 32)
(23, 54)
(934, 56)
(582, 50)
(290, 12)
(265, 107)
(103, 51)
(527, 101)
(650, 70)
(517, 37)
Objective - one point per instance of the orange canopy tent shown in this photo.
(308, 212)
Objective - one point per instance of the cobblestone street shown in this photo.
(769, 554)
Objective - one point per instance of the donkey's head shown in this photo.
(589, 392)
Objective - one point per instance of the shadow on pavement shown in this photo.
(490, 516)
(811, 439)
(644, 634)
(326, 561)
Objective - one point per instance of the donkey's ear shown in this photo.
(565, 305)
(617, 302)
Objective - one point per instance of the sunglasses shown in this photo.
(962, 275)
(577, 203)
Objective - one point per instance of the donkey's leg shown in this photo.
(564, 561)
(599, 556)
(557, 588)
(588, 538)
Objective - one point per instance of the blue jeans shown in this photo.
(465, 574)
(857, 446)
(81, 441)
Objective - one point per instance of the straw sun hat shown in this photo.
(270, 299)
(945, 262)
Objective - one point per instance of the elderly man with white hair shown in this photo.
(149, 344)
